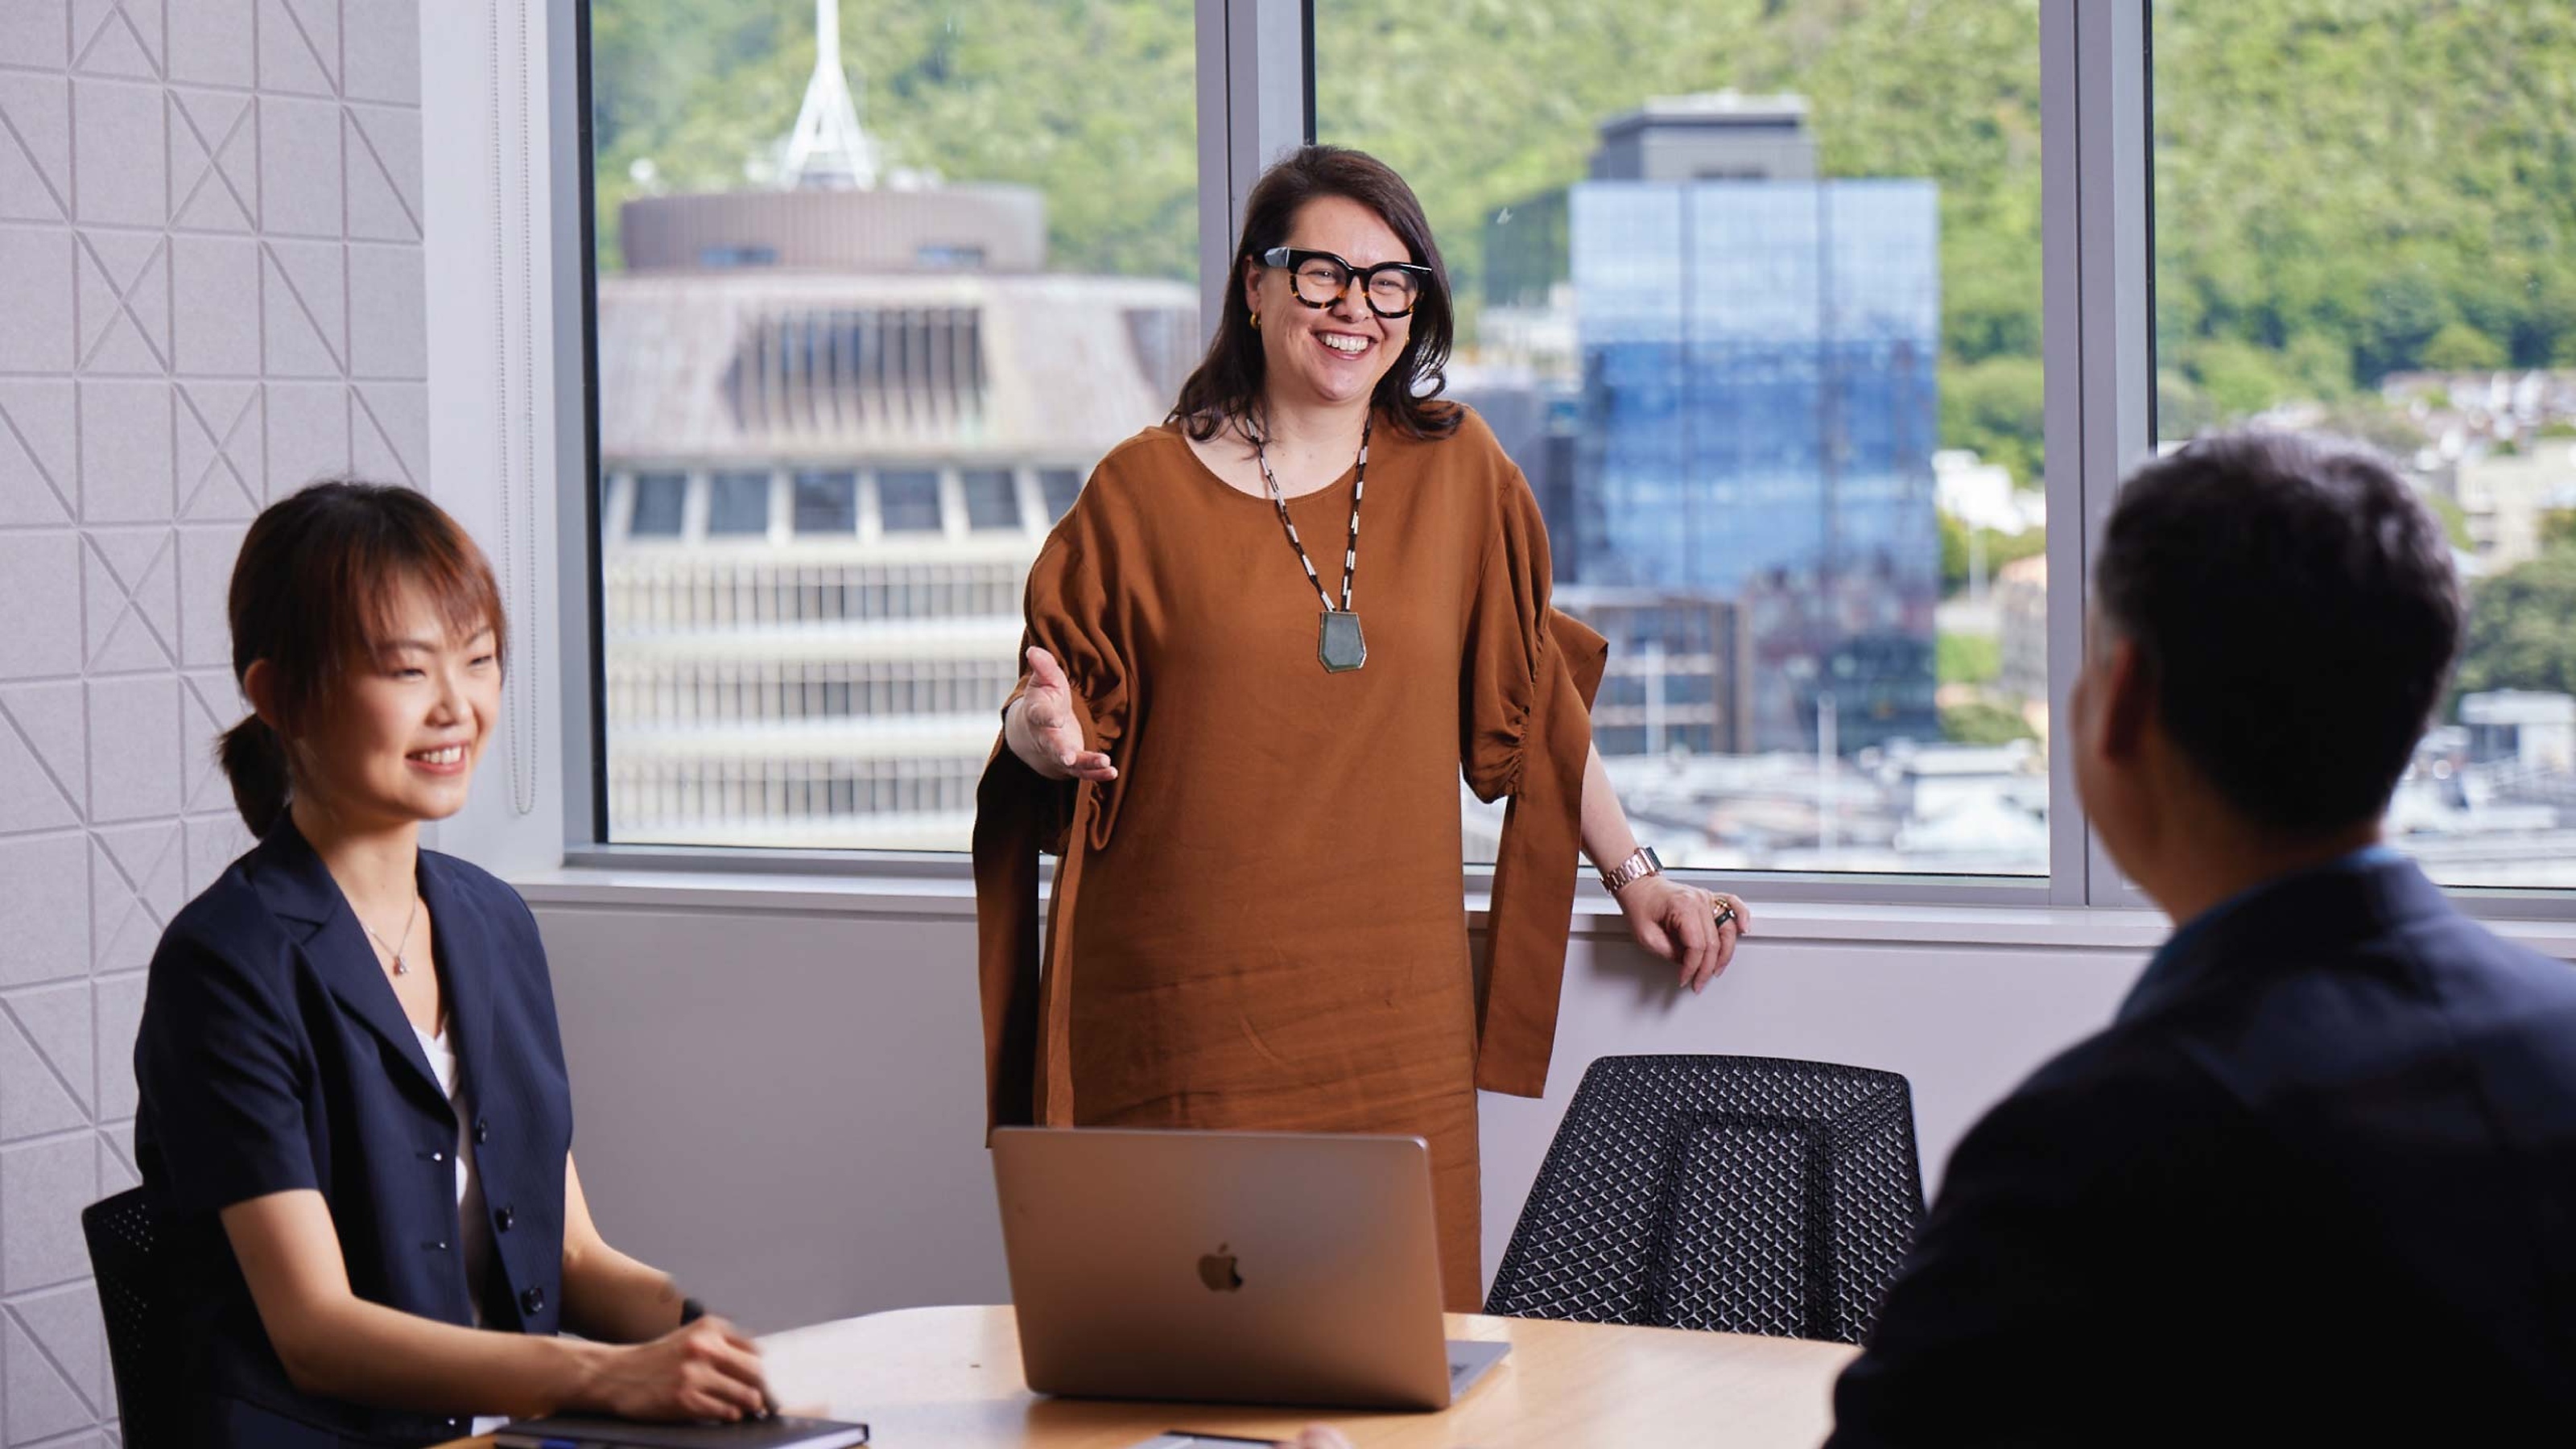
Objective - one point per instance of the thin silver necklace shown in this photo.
(401, 967)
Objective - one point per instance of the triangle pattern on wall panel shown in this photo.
(116, 37)
(383, 147)
(46, 722)
(218, 443)
(137, 882)
(29, 797)
(56, 1022)
(390, 434)
(214, 843)
(35, 148)
(130, 581)
(299, 46)
(115, 1174)
(40, 1400)
(124, 290)
(214, 161)
(36, 1094)
(209, 704)
(118, 1139)
(304, 308)
(38, 483)
(65, 1324)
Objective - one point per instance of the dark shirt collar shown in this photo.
(2342, 898)
(293, 879)
(296, 884)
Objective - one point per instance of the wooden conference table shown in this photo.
(949, 1378)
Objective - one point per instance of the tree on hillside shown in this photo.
(2000, 548)
(2522, 628)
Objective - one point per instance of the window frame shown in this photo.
(1256, 99)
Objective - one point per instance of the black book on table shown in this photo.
(777, 1432)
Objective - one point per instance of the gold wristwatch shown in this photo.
(1632, 870)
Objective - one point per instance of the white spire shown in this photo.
(829, 149)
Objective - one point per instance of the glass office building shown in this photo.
(1758, 421)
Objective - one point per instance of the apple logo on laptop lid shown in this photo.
(1217, 1271)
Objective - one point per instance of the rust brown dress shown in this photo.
(1259, 923)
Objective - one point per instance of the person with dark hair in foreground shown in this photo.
(2316, 1182)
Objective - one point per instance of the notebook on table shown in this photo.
(782, 1431)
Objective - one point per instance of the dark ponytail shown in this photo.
(320, 575)
(254, 759)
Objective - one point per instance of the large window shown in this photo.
(872, 299)
(1752, 295)
(2373, 231)
(1752, 292)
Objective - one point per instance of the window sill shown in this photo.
(950, 895)
(859, 896)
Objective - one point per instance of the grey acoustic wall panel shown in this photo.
(210, 294)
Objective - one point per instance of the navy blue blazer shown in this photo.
(273, 1056)
(2315, 1184)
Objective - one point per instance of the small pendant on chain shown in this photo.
(1339, 643)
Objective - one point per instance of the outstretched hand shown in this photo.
(1043, 730)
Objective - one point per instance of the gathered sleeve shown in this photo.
(1072, 613)
(1527, 681)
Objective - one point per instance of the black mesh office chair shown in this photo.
(142, 1348)
(1742, 1194)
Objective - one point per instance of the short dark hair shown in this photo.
(313, 593)
(2295, 607)
(1227, 383)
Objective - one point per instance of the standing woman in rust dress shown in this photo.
(1243, 723)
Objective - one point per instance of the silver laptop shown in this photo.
(1228, 1267)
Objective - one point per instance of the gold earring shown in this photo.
(1256, 321)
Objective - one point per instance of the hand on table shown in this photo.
(705, 1370)
(1316, 1436)
(1679, 923)
(1047, 737)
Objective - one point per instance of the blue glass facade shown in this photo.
(1759, 417)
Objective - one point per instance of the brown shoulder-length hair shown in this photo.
(1226, 388)
(314, 592)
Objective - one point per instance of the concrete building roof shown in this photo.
(716, 367)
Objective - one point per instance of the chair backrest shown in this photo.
(142, 1342)
(1742, 1194)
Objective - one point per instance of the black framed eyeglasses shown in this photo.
(1392, 288)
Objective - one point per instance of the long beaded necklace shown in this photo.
(1338, 641)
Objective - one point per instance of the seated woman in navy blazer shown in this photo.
(355, 1120)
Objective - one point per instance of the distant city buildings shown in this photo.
(2509, 499)
(1982, 495)
(1751, 415)
(2021, 609)
(836, 424)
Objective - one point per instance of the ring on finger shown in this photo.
(1725, 913)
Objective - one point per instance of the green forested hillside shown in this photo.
(2347, 188)
(1093, 103)
(2344, 187)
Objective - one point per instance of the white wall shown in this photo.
(781, 1100)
